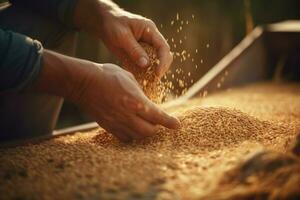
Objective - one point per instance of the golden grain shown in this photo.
(218, 132)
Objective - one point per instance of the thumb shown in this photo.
(135, 52)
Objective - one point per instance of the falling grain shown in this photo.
(146, 77)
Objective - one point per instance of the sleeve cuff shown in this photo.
(20, 61)
(36, 63)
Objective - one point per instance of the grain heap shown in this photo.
(266, 101)
(211, 128)
(146, 77)
(185, 164)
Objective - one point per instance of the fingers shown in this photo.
(141, 128)
(155, 115)
(136, 128)
(150, 112)
(119, 53)
(121, 135)
(142, 123)
(164, 54)
(135, 51)
(152, 36)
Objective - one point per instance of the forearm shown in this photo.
(60, 75)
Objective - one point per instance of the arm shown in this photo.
(61, 10)
(119, 29)
(125, 112)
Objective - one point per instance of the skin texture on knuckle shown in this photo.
(129, 87)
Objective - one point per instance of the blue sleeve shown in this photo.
(20, 61)
(62, 10)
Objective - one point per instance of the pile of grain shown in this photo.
(146, 77)
(266, 101)
(182, 164)
(213, 128)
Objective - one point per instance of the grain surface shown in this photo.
(218, 132)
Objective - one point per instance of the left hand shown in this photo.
(121, 31)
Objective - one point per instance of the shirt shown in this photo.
(21, 56)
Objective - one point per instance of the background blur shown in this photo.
(218, 25)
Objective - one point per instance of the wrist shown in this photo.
(59, 76)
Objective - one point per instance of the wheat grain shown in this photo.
(218, 132)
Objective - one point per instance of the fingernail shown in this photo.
(142, 62)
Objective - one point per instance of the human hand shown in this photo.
(113, 98)
(121, 31)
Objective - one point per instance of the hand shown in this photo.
(106, 92)
(121, 31)
(112, 96)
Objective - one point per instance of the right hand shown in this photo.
(114, 99)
